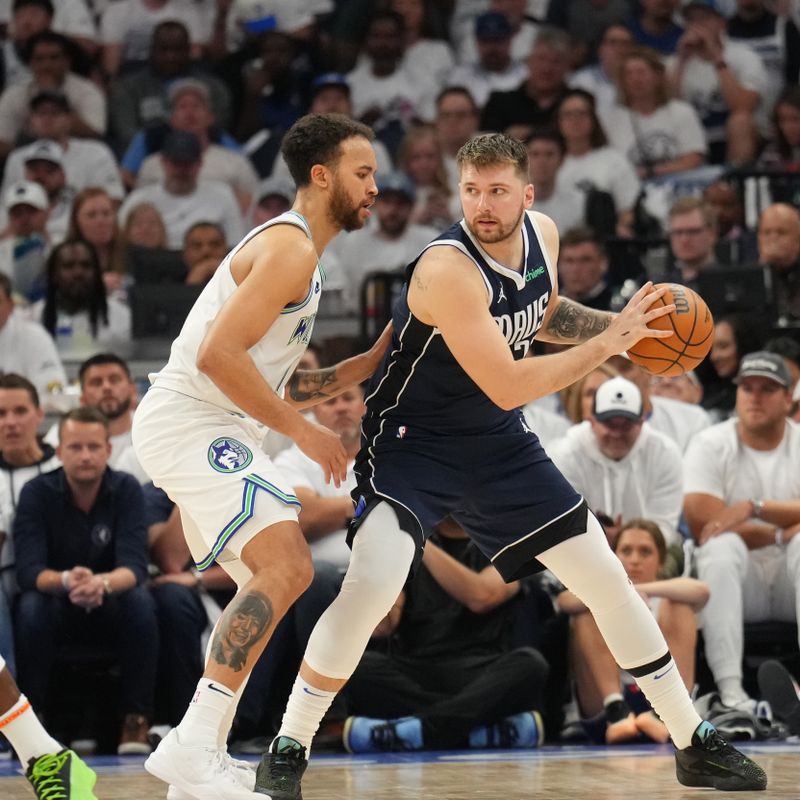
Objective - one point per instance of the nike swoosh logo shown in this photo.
(658, 677)
(217, 689)
(314, 694)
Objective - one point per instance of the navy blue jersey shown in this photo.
(421, 386)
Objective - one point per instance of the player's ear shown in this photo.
(321, 176)
(529, 194)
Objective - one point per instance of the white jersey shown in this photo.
(275, 355)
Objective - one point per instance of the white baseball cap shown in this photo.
(25, 193)
(618, 397)
(45, 150)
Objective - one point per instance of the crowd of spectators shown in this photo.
(141, 140)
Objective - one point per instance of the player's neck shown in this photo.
(509, 251)
(315, 212)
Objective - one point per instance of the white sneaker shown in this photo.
(243, 771)
(200, 773)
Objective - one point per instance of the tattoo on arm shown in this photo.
(241, 627)
(419, 283)
(309, 384)
(573, 322)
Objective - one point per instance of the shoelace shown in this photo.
(46, 777)
(221, 766)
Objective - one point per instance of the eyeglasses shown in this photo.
(687, 231)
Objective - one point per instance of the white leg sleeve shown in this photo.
(382, 555)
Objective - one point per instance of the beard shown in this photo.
(342, 212)
(501, 232)
(113, 408)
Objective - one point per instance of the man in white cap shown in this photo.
(44, 164)
(24, 250)
(742, 504)
(622, 467)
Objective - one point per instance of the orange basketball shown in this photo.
(692, 337)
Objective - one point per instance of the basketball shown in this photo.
(692, 334)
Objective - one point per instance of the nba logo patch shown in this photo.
(228, 455)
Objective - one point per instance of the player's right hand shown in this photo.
(630, 325)
(325, 447)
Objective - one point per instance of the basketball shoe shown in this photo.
(61, 775)
(202, 773)
(711, 761)
(281, 770)
(243, 771)
(777, 686)
(368, 735)
(520, 730)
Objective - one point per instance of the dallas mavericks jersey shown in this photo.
(275, 355)
(421, 385)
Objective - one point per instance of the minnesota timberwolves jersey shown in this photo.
(421, 384)
(275, 355)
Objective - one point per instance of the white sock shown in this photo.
(210, 705)
(306, 707)
(27, 735)
(731, 691)
(666, 692)
(226, 722)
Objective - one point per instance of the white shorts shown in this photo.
(210, 463)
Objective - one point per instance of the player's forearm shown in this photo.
(235, 374)
(307, 388)
(573, 323)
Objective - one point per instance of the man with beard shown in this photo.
(198, 431)
(75, 310)
(742, 490)
(443, 435)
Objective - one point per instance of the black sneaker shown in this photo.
(778, 688)
(280, 770)
(711, 761)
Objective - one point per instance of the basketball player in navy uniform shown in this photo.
(443, 435)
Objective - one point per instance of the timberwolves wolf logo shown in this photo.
(228, 455)
(302, 333)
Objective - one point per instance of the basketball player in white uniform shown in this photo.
(196, 433)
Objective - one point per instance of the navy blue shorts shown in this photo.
(502, 488)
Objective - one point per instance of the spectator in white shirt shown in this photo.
(86, 162)
(126, 29)
(600, 79)
(494, 70)
(657, 134)
(742, 504)
(181, 198)
(26, 348)
(44, 164)
(565, 205)
(620, 465)
(24, 251)
(25, 18)
(387, 243)
(524, 31)
(590, 162)
(723, 80)
(49, 62)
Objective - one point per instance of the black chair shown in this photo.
(155, 265)
(760, 188)
(735, 290)
(159, 309)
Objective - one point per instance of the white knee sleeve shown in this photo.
(588, 567)
(382, 555)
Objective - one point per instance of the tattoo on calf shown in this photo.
(574, 322)
(308, 384)
(243, 624)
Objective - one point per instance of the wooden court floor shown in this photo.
(557, 773)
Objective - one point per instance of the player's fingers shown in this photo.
(661, 311)
(656, 333)
(327, 470)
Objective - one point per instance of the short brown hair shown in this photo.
(11, 380)
(653, 60)
(582, 235)
(493, 149)
(88, 415)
